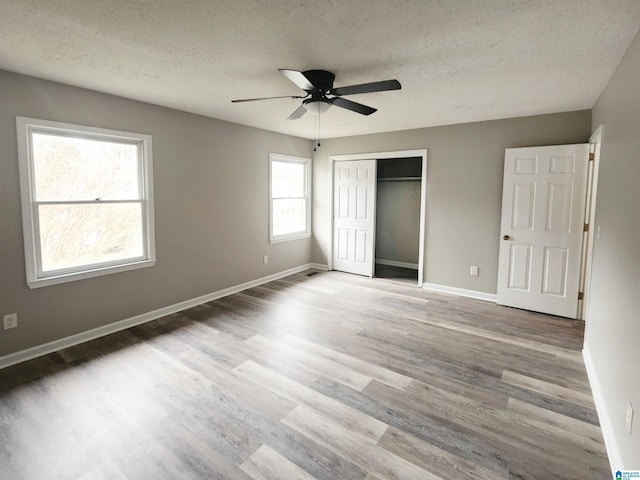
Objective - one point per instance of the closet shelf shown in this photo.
(399, 179)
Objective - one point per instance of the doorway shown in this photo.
(398, 218)
(335, 248)
(595, 143)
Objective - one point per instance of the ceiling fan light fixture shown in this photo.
(317, 106)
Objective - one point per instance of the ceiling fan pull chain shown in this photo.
(316, 127)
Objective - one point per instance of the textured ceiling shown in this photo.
(458, 60)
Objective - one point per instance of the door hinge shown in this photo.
(580, 295)
(586, 227)
(592, 156)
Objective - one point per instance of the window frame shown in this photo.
(306, 162)
(25, 128)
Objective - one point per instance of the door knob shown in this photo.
(506, 237)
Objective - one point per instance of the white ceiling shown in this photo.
(458, 60)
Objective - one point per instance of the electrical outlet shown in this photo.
(475, 271)
(629, 417)
(265, 259)
(10, 321)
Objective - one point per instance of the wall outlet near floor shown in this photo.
(474, 271)
(265, 259)
(10, 321)
(629, 417)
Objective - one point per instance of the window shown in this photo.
(87, 204)
(290, 203)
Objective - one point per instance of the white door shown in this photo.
(354, 190)
(543, 202)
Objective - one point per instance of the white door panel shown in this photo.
(524, 196)
(554, 275)
(543, 203)
(362, 193)
(354, 216)
(520, 267)
(342, 245)
(361, 247)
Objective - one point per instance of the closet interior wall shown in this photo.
(398, 212)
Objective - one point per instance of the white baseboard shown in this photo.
(50, 347)
(610, 443)
(393, 263)
(462, 292)
(319, 266)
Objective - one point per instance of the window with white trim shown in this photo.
(87, 201)
(290, 202)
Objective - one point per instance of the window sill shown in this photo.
(96, 272)
(286, 238)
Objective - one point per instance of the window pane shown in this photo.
(76, 235)
(287, 179)
(289, 216)
(68, 168)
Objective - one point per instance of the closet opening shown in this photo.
(398, 203)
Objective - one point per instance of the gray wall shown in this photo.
(464, 186)
(211, 207)
(398, 221)
(613, 325)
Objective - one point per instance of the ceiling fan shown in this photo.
(319, 84)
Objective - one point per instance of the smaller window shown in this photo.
(290, 204)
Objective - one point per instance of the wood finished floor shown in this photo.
(400, 274)
(327, 376)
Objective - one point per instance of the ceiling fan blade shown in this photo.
(298, 78)
(300, 111)
(382, 86)
(349, 105)
(266, 98)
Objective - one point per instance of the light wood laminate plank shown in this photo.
(339, 438)
(267, 464)
(318, 376)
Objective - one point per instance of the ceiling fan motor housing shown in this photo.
(321, 79)
(323, 83)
